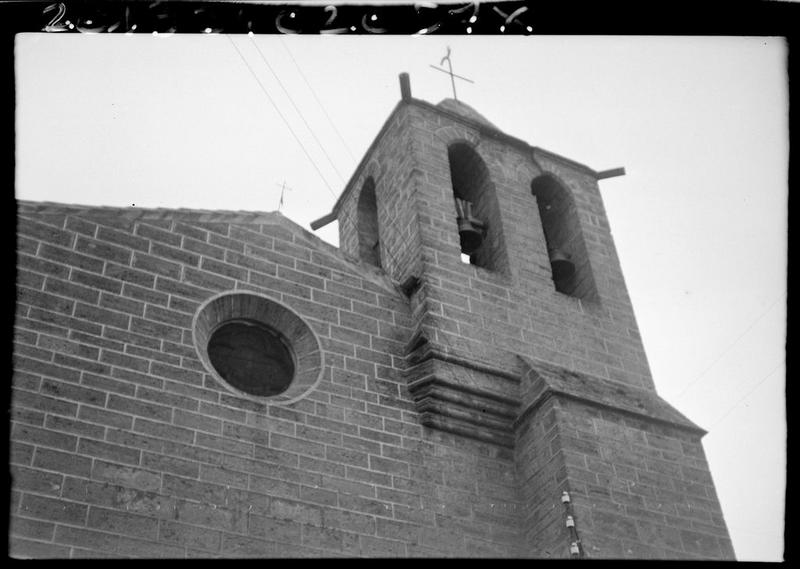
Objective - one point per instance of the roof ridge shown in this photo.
(201, 215)
(130, 212)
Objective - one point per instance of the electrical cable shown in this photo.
(575, 549)
(348, 215)
(314, 94)
(288, 126)
(299, 112)
(726, 350)
(264, 90)
(746, 395)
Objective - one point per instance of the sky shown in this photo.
(700, 125)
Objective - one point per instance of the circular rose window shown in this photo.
(251, 357)
(257, 347)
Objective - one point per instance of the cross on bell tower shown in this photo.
(449, 71)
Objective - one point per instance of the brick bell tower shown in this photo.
(524, 335)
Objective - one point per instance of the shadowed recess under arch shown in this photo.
(472, 183)
(563, 238)
(368, 233)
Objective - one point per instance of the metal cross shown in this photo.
(450, 72)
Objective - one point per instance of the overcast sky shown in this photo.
(699, 221)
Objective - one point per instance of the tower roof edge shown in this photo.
(461, 108)
(458, 110)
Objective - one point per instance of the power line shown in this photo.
(277, 110)
(314, 94)
(726, 350)
(349, 217)
(748, 394)
(303, 118)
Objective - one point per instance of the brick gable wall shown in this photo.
(122, 444)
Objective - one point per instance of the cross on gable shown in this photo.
(284, 189)
(449, 71)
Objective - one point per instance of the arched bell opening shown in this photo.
(566, 249)
(476, 208)
(368, 235)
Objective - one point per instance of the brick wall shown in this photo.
(489, 314)
(389, 165)
(639, 489)
(448, 420)
(542, 481)
(486, 316)
(122, 444)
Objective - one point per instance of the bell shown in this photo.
(470, 229)
(471, 235)
(563, 268)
